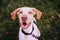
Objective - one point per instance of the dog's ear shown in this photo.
(39, 13)
(13, 14)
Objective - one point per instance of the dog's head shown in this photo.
(26, 15)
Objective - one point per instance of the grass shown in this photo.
(49, 24)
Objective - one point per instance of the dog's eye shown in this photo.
(30, 12)
(21, 12)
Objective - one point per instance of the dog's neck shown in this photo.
(29, 29)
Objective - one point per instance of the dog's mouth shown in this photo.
(25, 25)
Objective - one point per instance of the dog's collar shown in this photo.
(26, 32)
(30, 33)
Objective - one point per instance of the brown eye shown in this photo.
(30, 12)
(21, 12)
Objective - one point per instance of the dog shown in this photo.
(28, 29)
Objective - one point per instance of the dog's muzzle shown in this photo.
(24, 23)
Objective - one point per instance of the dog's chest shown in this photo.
(29, 36)
(22, 36)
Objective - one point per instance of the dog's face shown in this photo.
(26, 15)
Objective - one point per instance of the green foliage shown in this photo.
(49, 24)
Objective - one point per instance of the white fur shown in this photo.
(30, 18)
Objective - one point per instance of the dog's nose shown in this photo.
(24, 18)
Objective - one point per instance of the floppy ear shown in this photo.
(38, 13)
(13, 14)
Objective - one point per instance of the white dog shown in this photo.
(28, 29)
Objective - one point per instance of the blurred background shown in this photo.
(49, 24)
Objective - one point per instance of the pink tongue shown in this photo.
(24, 25)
